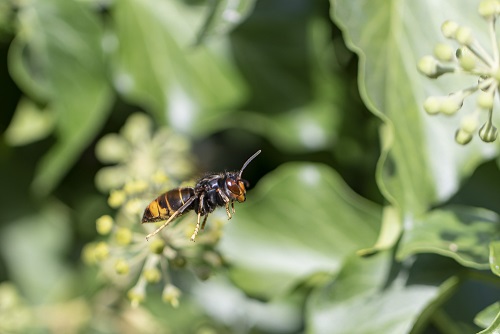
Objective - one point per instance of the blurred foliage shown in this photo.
(364, 215)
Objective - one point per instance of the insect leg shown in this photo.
(175, 214)
(226, 200)
(197, 228)
(232, 205)
(204, 222)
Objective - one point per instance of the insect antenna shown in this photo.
(247, 162)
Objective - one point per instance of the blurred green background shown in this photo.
(363, 215)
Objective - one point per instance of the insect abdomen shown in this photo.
(166, 204)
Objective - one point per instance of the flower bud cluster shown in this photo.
(470, 58)
(146, 163)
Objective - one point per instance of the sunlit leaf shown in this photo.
(33, 247)
(57, 59)
(299, 220)
(364, 299)
(462, 233)
(495, 257)
(223, 15)
(487, 316)
(157, 66)
(30, 123)
(494, 328)
(421, 164)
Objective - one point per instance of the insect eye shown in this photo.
(233, 186)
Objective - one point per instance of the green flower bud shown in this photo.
(136, 296)
(123, 236)
(451, 104)
(122, 267)
(88, 253)
(157, 246)
(469, 123)
(444, 52)
(467, 62)
(112, 148)
(171, 295)
(101, 251)
(152, 275)
(488, 132)
(134, 187)
(116, 198)
(462, 137)
(464, 36)
(432, 105)
(489, 8)
(104, 224)
(485, 100)
(429, 66)
(449, 29)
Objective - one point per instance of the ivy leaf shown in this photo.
(224, 15)
(300, 219)
(462, 233)
(157, 66)
(486, 317)
(364, 298)
(57, 59)
(495, 257)
(421, 164)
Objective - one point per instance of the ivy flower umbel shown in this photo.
(146, 163)
(470, 58)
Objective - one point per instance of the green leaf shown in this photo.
(30, 123)
(364, 299)
(300, 219)
(494, 328)
(223, 16)
(462, 233)
(487, 316)
(421, 164)
(33, 248)
(57, 58)
(495, 257)
(157, 66)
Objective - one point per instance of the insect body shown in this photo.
(211, 191)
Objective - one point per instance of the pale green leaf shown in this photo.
(421, 164)
(487, 316)
(29, 124)
(363, 299)
(224, 15)
(494, 328)
(495, 257)
(157, 66)
(462, 233)
(299, 220)
(59, 60)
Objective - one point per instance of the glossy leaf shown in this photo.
(223, 15)
(421, 164)
(299, 220)
(486, 317)
(494, 328)
(365, 299)
(57, 59)
(157, 66)
(495, 257)
(462, 233)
